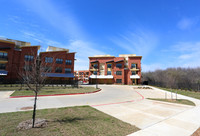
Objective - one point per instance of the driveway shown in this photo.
(127, 104)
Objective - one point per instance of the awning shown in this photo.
(110, 61)
(101, 76)
(135, 77)
(119, 61)
(94, 61)
(69, 75)
(3, 73)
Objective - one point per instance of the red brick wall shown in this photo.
(61, 55)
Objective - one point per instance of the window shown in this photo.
(68, 70)
(68, 62)
(27, 68)
(95, 72)
(58, 70)
(119, 81)
(119, 73)
(119, 65)
(95, 66)
(109, 73)
(133, 65)
(48, 69)
(2, 66)
(48, 59)
(3, 55)
(133, 73)
(28, 58)
(109, 65)
(59, 61)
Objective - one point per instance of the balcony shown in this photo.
(93, 69)
(101, 76)
(134, 76)
(134, 69)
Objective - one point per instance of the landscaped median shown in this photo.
(70, 121)
(55, 92)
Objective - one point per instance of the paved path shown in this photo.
(127, 104)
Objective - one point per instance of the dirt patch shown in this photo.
(27, 108)
(142, 87)
(39, 123)
(196, 133)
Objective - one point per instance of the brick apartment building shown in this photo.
(106, 69)
(82, 75)
(17, 55)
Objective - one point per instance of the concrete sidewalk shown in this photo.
(181, 124)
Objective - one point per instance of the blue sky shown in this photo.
(165, 32)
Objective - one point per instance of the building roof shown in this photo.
(69, 75)
(52, 48)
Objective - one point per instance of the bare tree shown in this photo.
(33, 74)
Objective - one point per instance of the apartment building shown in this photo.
(107, 69)
(82, 75)
(18, 55)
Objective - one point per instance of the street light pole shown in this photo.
(96, 76)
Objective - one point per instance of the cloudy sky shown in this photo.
(165, 32)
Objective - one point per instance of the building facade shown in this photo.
(18, 55)
(106, 69)
(82, 75)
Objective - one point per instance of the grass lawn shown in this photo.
(49, 91)
(183, 92)
(70, 121)
(179, 101)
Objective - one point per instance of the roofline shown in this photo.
(32, 46)
(6, 41)
(135, 57)
(103, 57)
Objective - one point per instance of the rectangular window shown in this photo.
(133, 65)
(95, 66)
(59, 61)
(68, 70)
(119, 65)
(27, 68)
(118, 80)
(95, 72)
(119, 73)
(3, 66)
(3, 55)
(58, 70)
(48, 59)
(109, 65)
(133, 73)
(48, 69)
(28, 58)
(109, 73)
(68, 62)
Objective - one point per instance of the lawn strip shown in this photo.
(55, 91)
(80, 120)
(178, 101)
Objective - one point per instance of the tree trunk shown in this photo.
(34, 110)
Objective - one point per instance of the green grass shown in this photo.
(183, 92)
(179, 101)
(71, 121)
(49, 91)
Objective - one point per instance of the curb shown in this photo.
(121, 102)
(55, 94)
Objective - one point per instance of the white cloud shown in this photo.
(141, 42)
(188, 54)
(186, 23)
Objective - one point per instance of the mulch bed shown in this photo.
(197, 132)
